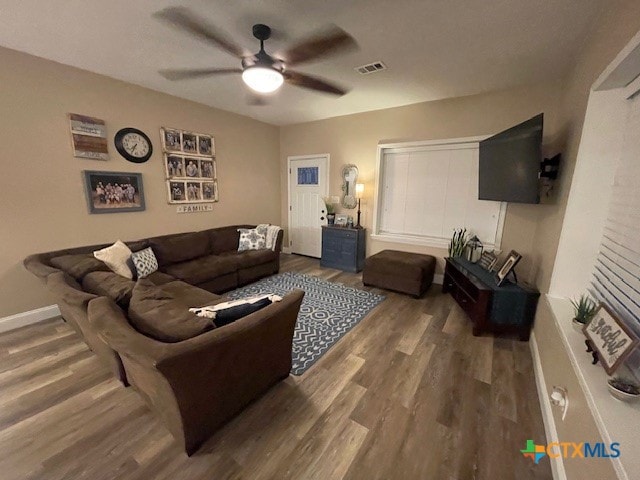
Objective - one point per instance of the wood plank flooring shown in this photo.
(409, 393)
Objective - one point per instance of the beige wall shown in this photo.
(613, 30)
(354, 139)
(42, 199)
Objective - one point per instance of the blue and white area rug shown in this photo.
(328, 312)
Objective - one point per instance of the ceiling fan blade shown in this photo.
(312, 83)
(188, 73)
(182, 18)
(331, 41)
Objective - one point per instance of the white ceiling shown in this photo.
(434, 49)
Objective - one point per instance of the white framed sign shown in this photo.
(610, 338)
(193, 208)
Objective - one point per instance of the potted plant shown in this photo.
(623, 389)
(458, 243)
(584, 309)
(331, 209)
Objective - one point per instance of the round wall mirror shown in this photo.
(349, 180)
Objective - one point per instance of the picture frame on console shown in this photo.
(507, 266)
(610, 337)
(113, 192)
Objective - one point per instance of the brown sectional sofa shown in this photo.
(193, 375)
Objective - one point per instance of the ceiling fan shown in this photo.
(261, 72)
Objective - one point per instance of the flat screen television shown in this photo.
(510, 164)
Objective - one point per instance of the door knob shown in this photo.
(321, 218)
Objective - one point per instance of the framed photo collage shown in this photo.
(190, 166)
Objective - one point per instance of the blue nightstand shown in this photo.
(343, 248)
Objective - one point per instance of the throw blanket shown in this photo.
(272, 234)
(210, 312)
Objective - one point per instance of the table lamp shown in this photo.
(359, 192)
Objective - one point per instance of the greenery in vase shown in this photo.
(624, 386)
(331, 207)
(584, 309)
(458, 242)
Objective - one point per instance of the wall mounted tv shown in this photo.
(510, 164)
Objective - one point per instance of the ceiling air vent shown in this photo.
(371, 68)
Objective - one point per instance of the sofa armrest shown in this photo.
(35, 264)
(279, 240)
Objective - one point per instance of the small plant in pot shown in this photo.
(331, 210)
(584, 309)
(623, 389)
(458, 243)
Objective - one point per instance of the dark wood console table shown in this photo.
(508, 308)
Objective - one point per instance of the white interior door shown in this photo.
(307, 185)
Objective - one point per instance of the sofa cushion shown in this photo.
(137, 245)
(117, 257)
(160, 278)
(67, 290)
(180, 248)
(109, 284)
(251, 258)
(79, 265)
(202, 269)
(225, 239)
(162, 312)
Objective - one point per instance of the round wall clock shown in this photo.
(133, 144)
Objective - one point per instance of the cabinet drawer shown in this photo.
(466, 302)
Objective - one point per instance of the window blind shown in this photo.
(428, 191)
(616, 275)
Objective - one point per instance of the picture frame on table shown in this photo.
(114, 192)
(341, 220)
(610, 337)
(507, 266)
(488, 261)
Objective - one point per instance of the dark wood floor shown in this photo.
(407, 394)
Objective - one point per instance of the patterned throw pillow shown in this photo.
(145, 262)
(251, 239)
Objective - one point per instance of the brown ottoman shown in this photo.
(405, 272)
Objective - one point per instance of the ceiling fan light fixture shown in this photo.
(262, 79)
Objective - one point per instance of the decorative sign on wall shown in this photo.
(610, 337)
(190, 166)
(88, 137)
(199, 207)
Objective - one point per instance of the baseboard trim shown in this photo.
(28, 318)
(438, 278)
(286, 250)
(557, 465)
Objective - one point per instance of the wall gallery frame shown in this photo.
(190, 166)
(175, 140)
(113, 192)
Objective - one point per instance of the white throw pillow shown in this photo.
(116, 257)
(251, 239)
